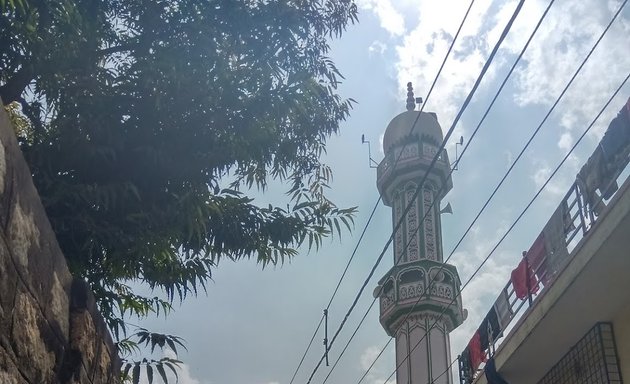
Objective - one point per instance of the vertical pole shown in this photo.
(326, 334)
(527, 278)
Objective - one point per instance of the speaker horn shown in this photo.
(377, 291)
(447, 209)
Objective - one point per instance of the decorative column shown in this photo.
(410, 308)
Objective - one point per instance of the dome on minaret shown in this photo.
(400, 128)
(409, 152)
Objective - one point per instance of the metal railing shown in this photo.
(582, 206)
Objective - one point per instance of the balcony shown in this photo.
(573, 324)
(593, 287)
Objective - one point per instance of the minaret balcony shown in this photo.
(414, 159)
(403, 291)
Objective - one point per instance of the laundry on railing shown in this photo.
(466, 371)
(554, 236)
(489, 330)
(617, 136)
(549, 253)
(477, 355)
(503, 310)
(549, 250)
(524, 279)
(602, 168)
(492, 375)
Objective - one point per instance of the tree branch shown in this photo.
(12, 90)
(116, 49)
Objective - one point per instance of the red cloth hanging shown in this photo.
(477, 355)
(537, 258)
(537, 252)
(523, 288)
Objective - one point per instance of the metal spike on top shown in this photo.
(411, 101)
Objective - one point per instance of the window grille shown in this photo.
(593, 360)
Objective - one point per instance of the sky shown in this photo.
(254, 325)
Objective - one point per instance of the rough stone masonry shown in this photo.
(50, 328)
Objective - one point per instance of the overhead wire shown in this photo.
(380, 197)
(308, 347)
(450, 172)
(540, 190)
(431, 165)
(520, 154)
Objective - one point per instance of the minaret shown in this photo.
(418, 255)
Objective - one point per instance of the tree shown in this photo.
(149, 123)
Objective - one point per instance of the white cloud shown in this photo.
(368, 356)
(542, 171)
(377, 375)
(391, 20)
(377, 47)
(509, 158)
(563, 41)
(421, 50)
(485, 286)
(566, 141)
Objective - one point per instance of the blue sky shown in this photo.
(254, 325)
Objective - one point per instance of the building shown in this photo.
(564, 315)
(419, 296)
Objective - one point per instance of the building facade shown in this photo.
(568, 320)
(419, 296)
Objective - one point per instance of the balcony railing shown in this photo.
(576, 214)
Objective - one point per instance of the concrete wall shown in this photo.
(621, 325)
(50, 330)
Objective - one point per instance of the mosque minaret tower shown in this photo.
(414, 317)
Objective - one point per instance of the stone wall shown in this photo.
(50, 330)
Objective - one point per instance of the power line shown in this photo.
(431, 165)
(443, 373)
(380, 197)
(564, 159)
(533, 199)
(442, 188)
(308, 347)
(518, 157)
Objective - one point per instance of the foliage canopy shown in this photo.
(145, 124)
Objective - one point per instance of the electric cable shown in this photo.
(540, 190)
(431, 165)
(451, 171)
(518, 157)
(444, 372)
(307, 348)
(380, 197)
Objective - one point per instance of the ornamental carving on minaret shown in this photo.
(429, 224)
(412, 223)
(419, 294)
(398, 245)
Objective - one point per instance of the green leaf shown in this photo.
(150, 373)
(160, 369)
(135, 375)
(125, 373)
(132, 134)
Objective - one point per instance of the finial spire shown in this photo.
(411, 101)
